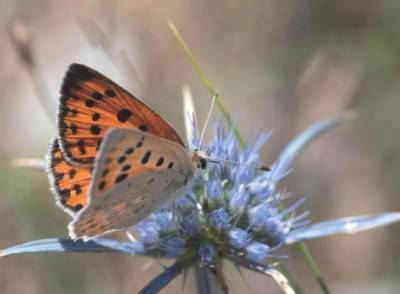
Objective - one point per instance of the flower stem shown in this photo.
(207, 282)
(312, 265)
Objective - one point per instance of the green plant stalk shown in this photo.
(312, 265)
(301, 245)
(206, 81)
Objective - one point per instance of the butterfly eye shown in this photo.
(203, 163)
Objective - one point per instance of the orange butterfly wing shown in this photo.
(90, 104)
(69, 182)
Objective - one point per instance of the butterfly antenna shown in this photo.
(227, 161)
(207, 119)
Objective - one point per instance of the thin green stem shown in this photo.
(312, 265)
(206, 81)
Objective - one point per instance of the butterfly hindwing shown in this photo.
(90, 104)
(135, 173)
(116, 212)
(69, 182)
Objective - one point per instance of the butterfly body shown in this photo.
(115, 160)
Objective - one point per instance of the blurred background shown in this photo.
(279, 65)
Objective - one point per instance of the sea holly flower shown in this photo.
(233, 211)
(239, 238)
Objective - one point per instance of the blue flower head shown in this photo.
(232, 211)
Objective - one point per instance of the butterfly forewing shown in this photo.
(90, 104)
(69, 182)
(135, 173)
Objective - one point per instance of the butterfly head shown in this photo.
(199, 159)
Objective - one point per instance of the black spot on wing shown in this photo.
(120, 178)
(123, 115)
(160, 161)
(81, 146)
(146, 157)
(110, 93)
(121, 159)
(90, 103)
(105, 172)
(78, 189)
(74, 112)
(129, 150)
(126, 167)
(95, 130)
(97, 95)
(95, 116)
(72, 173)
(74, 128)
(102, 184)
(143, 128)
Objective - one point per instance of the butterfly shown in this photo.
(114, 159)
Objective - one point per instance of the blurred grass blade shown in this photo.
(67, 245)
(205, 80)
(163, 279)
(347, 225)
(30, 163)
